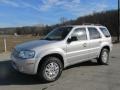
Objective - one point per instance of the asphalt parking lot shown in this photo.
(84, 76)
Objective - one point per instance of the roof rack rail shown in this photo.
(98, 24)
(87, 24)
(91, 24)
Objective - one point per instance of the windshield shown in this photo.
(58, 33)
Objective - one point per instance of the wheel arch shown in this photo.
(48, 55)
(106, 46)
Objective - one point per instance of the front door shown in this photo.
(77, 50)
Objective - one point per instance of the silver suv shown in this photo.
(62, 47)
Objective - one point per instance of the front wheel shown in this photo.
(51, 69)
(104, 57)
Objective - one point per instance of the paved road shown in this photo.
(84, 76)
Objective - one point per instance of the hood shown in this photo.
(33, 44)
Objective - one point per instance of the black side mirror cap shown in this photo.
(73, 38)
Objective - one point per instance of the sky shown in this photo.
(14, 13)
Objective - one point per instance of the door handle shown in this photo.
(84, 44)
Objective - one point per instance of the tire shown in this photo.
(103, 57)
(51, 69)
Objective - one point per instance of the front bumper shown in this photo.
(24, 66)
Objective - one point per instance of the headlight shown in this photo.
(26, 54)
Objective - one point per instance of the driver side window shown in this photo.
(80, 33)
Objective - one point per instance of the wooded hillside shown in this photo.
(106, 18)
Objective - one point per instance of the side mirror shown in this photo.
(73, 38)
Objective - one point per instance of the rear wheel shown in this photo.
(51, 69)
(104, 57)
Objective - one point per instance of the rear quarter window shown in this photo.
(105, 32)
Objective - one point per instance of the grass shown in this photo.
(12, 41)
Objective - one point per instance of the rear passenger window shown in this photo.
(105, 32)
(93, 32)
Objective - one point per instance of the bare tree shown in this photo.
(63, 20)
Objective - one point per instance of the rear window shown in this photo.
(105, 32)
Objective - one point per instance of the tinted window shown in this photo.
(105, 32)
(80, 33)
(93, 32)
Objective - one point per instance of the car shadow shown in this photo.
(8, 76)
(87, 63)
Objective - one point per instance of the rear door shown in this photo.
(94, 42)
